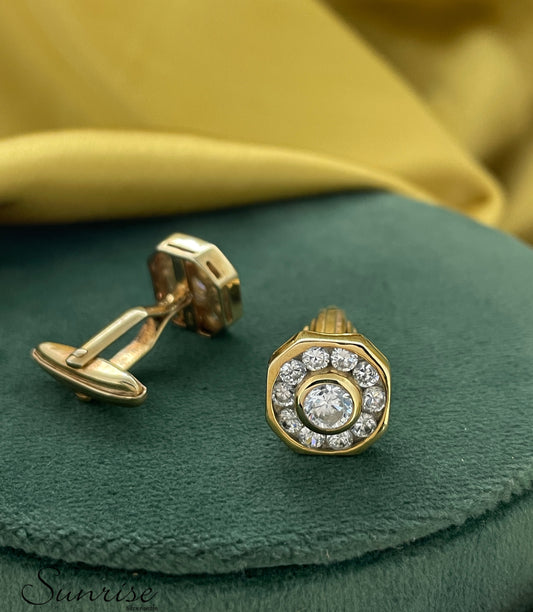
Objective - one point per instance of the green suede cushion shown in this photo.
(194, 482)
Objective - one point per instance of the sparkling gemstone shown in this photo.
(315, 358)
(283, 394)
(365, 374)
(373, 399)
(289, 420)
(364, 426)
(308, 437)
(328, 406)
(340, 441)
(292, 372)
(343, 360)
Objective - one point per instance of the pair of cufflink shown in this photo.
(328, 387)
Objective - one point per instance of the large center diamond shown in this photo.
(328, 406)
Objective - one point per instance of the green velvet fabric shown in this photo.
(483, 566)
(193, 482)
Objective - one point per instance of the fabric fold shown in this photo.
(172, 107)
(101, 174)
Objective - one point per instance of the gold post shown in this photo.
(331, 320)
(156, 318)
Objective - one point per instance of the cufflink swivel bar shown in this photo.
(195, 286)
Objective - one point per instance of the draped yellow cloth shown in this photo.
(113, 109)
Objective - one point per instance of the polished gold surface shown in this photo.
(331, 320)
(195, 286)
(99, 379)
(182, 260)
(330, 330)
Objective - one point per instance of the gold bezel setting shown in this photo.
(326, 441)
(317, 380)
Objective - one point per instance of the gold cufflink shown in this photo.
(328, 388)
(195, 286)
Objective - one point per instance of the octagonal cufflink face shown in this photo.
(183, 260)
(328, 392)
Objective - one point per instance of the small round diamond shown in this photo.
(315, 358)
(292, 372)
(290, 421)
(340, 441)
(373, 399)
(328, 406)
(343, 360)
(283, 394)
(365, 374)
(310, 438)
(364, 426)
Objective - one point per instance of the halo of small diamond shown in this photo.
(364, 426)
(315, 358)
(373, 399)
(340, 441)
(292, 372)
(282, 394)
(343, 360)
(311, 438)
(365, 374)
(289, 420)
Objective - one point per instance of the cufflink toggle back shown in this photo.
(194, 285)
(328, 388)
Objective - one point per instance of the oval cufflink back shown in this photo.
(195, 286)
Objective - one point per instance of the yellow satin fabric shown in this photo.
(111, 108)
